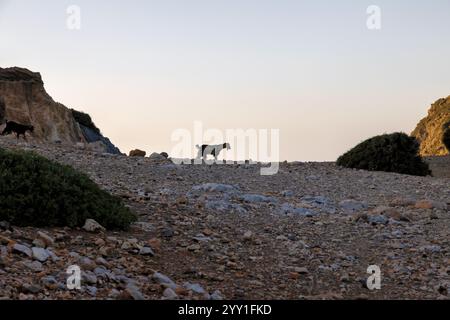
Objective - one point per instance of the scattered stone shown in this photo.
(402, 202)
(257, 198)
(195, 287)
(164, 280)
(19, 248)
(352, 206)
(40, 254)
(301, 270)
(194, 247)
(429, 204)
(132, 293)
(93, 226)
(157, 157)
(289, 209)
(137, 153)
(34, 266)
(45, 238)
(248, 236)
(49, 282)
(217, 295)
(287, 193)
(377, 219)
(31, 288)
(146, 251)
(170, 294)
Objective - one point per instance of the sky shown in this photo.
(312, 69)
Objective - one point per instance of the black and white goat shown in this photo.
(205, 150)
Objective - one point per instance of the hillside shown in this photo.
(309, 232)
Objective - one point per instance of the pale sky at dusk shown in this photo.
(312, 69)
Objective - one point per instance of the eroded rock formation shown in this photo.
(430, 130)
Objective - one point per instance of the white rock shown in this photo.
(40, 254)
(93, 226)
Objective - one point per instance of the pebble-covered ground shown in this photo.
(226, 232)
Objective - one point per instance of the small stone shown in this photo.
(170, 294)
(164, 280)
(133, 293)
(157, 157)
(155, 244)
(248, 236)
(377, 219)
(87, 264)
(167, 233)
(34, 266)
(194, 247)
(93, 226)
(92, 291)
(195, 287)
(31, 288)
(287, 193)
(429, 204)
(48, 240)
(101, 261)
(301, 270)
(40, 254)
(19, 248)
(352, 206)
(294, 275)
(89, 277)
(146, 251)
(49, 282)
(402, 202)
(39, 243)
(217, 295)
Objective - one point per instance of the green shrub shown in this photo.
(446, 136)
(395, 152)
(85, 120)
(35, 191)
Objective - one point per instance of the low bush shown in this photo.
(395, 152)
(35, 191)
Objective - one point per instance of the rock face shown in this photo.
(92, 137)
(430, 130)
(23, 99)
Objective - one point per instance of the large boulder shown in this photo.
(137, 153)
(430, 130)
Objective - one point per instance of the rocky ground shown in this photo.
(226, 232)
(440, 166)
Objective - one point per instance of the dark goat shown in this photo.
(17, 128)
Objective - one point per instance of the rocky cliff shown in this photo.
(430, 130)
(23, 99)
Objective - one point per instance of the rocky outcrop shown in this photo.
(93, 137)
(137, 153)
(430, 130)
(24, 100)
